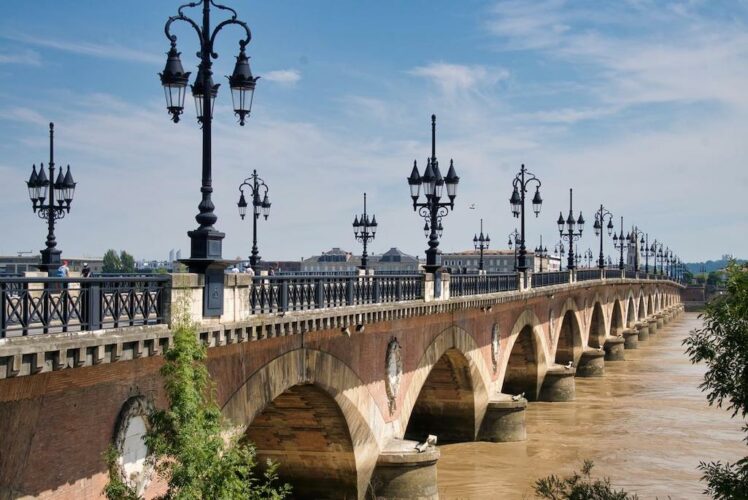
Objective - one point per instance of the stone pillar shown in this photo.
(614, 349)
(591, 363)
(558, 384)
(403, 473)
(445, 287)
(643, 330)
(186, 297)
(504, 420)
(428, 287)
(630, 338)
(660, 322)
(652, 324)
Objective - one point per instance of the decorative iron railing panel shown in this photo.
(612, 273)
(462, 285)
(276, 294)
(31, 306)
(630, 274)
(588, 274)
(549, 278)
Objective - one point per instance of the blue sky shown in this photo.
(637, 104)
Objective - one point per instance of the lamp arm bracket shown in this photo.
(233, 20)
(182, 17)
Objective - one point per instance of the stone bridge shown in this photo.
(339, 396)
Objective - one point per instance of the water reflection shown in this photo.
(645, 424)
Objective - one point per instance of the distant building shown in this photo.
(336, 260)
(496, 261)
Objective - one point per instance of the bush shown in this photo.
(579, 487)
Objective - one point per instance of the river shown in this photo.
(645, 424)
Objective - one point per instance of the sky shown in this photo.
(639, 105)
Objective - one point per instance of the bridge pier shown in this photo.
(504, 420)
(660, 321)
(558, 385)
(403, 473)
(642, 329)
(591, 363)
(630, 338)
(614, 349)
(652, 324)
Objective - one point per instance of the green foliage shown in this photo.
(192, 455)
(117, 488)
(128, 262)
(688, 276)
(112, 263)
(723, 345)
(579, 487)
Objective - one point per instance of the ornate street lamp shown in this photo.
(619, 243)
(514, 236)
(206, 241)
(636, 239)
(364, 230)
(541, 253)
(600, 217)
(50, 200)
(481, 243)
(433, 209)
(588, 256)
(517, 201)
(577, 256)
(560, 250)
(647, 251)
(570, 229)
(258, 190)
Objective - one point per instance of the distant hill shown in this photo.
(710, 265)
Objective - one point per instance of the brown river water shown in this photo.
(645, 424)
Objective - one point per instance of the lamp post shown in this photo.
(258, 190)
(481, 243)
(50, 200)
(588, 256)
(364, 230)
(600, 217)
(520, 183)
(541, 253)
(636, 238)
(619, 244)
(568, 230)
(646, 251)
(206, 241)
(433, 209)
(514, 236)
(560, 250)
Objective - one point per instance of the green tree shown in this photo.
(722, 344)
(187, 439)
(128, 262)
(579, 487)
(112, 262)
(687, 276)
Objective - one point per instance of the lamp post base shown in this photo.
(205, 244)
(51, 260)
(205, 258)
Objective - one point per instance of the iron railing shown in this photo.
(612, 273)
(275, 294)
(588, 274)
(549, 278)
(630, 274)
(461, 285)
(31, 306)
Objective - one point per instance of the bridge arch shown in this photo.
(598, 332)
(310, 408)
(642, 307)
(569, 345)
(449, 390)
(616, 319)
(649, 304)
(527, 361)
(630, 311)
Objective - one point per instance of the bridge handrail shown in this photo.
(39, 305)
(550, 278)
(589, 274)
(462, 285)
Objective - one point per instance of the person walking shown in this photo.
(63, 271)
(86, 271)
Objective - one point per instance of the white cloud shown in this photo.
(25, 56)
(93, 49)
(453, 78)
(283, 76)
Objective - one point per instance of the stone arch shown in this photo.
(323, 392)
(649, 305)
(642, 307)
(630, 311)
(527, 359)
(454, 367)
(598, 332)
(616, 319)
(568, 334)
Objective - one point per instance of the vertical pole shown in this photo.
(522, 267)
(620, 241)
(255, 216)
(365, 236)
(570, 263)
